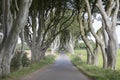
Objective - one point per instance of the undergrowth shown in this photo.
(95, 72)
(27, 70)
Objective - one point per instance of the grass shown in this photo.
(27, 70)
(98, 73)
(82, 53)
(118, 59)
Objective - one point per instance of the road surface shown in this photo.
(62, 69)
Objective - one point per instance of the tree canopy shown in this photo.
(42, 23)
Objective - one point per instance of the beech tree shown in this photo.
(110, 43)
(55, 45)
(110, 26)
(12, 24)
(70, 43)
(44, 24)
(22, 47)
(48, 22)
(84, 30)
(74, 35)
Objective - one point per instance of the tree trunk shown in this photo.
(43, 53)
(6, 57)
(104, 55)
(89, 57)
(100, 42)
(112, 50)
(8, 47)
(22, 48)
(37, 54)
(70, 43)
(70, 47)
(110, 27)
(55, 45)
(95, 59)
(96, 51)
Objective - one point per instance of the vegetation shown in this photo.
(81, 45)
(15, 63)
(96, 72)
(83, 56)
(39, 23)
(18, 47)
(31, 68)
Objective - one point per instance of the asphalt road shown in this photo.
(62, 69)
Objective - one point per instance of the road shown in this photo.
(62, 69)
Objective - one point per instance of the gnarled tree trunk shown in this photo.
(55, 45)
(89, 57)
(8, 46)
(100, 41)
(110, 27)
(22, 48)
(70, 43)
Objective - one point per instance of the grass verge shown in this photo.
(96, 73)
(27, 70)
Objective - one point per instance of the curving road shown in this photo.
(62, 69)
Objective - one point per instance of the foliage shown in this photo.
(18, 47)
(95, 72)
(100, 61)
(15, 63)
(81, 53)
(80, 45)
(27, 70)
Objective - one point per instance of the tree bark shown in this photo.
(112, 50)
(22, 48)
(89, 57)
(100, 41)
(8, 47)
(89, 48)
(37, 54)
(95, 57)
(70, 45)
(47, 27)
(110, 27)
(55, 45)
